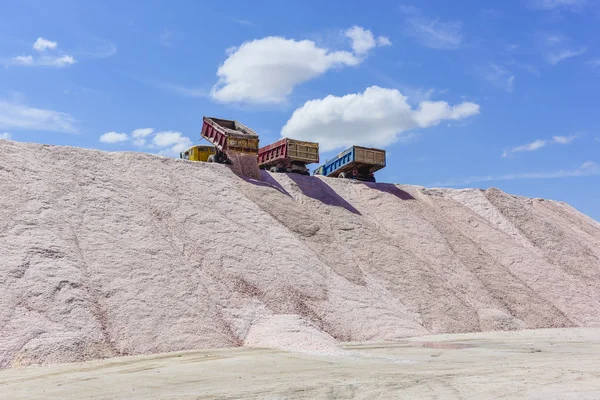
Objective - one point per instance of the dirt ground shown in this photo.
(533, 364)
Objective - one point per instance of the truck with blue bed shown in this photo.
(356, 162)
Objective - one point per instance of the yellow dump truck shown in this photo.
(198, 153)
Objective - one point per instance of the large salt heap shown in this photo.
(105, 254)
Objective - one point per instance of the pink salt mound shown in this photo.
(292, 333)
(105, 254)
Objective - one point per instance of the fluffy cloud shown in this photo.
(5, 135)
(114, 137)
(19, 116)
(432, 32)
(139, 136)
(168, 143)
(46, 60)
(363, 39)
(172, 143)
(538, 144)
(42, 44)
(267, 70)
(375, 117)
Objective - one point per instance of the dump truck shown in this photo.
(355, 163)
(288, 155)
(198, 153)
(228, 136)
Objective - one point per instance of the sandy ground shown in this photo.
(532, 364)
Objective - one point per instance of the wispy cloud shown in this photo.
(15, 115)
(97, 48)
(556, 47)
(499, 77)
(169, 37)
(564, 54)
(5, 135)
(538, 144)
(432, 32)
(45, 59)
(589, 168)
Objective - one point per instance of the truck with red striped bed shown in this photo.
(288, 155)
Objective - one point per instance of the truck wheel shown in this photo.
(274, 169)
(342, 175)
(211, 158)
(307, 173)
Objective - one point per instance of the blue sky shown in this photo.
(460, 94)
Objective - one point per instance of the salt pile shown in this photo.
(292, 333)
(105, 254)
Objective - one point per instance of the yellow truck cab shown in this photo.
(198, 153)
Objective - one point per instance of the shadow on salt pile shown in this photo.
(266, 180)
(317, 189)
(391, 189)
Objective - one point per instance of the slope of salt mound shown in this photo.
(106, 254)
(291, 333)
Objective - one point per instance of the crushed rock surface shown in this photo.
(107, 254)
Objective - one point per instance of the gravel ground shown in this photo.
(537, 364)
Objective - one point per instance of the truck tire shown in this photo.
(211, 158)
(273, 169)
(342, 175)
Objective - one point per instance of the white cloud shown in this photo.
(168, 143)
(23, 60)
(588, 168)
(432, 32)
(556, 47)
(114, 137)
(267, 70)
(45, 61)
(363, 40)
(375, 117)
(172, 143)
(5, 135)
(555, 57)
(42, 44)
(141, 132)
(19, 116)
(540, 143)
(564, 139)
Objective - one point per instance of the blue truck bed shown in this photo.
(358, 162)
